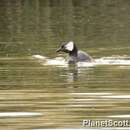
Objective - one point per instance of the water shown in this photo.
(38, 89)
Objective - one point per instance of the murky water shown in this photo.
(38, 89)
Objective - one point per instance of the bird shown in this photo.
(75, 55)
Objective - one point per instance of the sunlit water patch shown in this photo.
(113, 60)
(19, 114)
(60, 61)
(118, 96)
(66, 129)
(112, 128)
(120, 116)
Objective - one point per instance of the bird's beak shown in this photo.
(59, 49)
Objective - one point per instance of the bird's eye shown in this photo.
(62, 46)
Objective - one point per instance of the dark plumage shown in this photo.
(75, 55)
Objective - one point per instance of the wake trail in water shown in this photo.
(60, 61)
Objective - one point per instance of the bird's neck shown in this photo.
(74, 53)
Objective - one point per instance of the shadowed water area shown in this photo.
(38, 89)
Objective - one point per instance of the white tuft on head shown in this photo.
(69, 46)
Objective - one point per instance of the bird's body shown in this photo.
(83, 56)
(75, 55)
